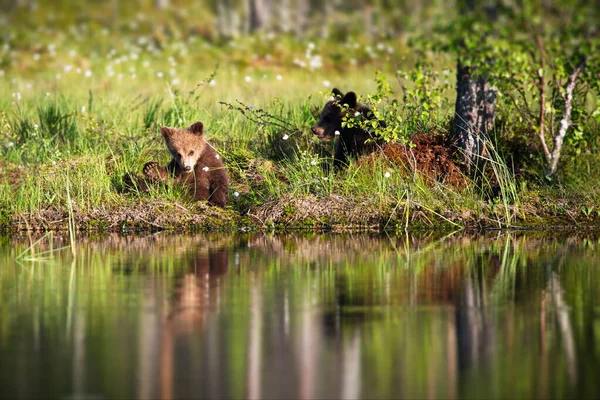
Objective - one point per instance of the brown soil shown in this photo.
(429, 157)
(10, 173)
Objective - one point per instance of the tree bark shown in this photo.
(258, 14)
(474, 115)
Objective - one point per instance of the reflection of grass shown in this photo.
(33, 254)
(396, 300)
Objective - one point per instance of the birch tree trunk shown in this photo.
(565, 121)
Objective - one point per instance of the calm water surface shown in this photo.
(256, 316)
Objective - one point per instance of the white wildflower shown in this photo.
(159, 74)
(279, 77)
(10, 144)
(337, 133)
(217, 156)
(316, 62)
(88, 73)
(83, 109)
(36, 56)
(205, 169)
(286, 137)
(248, 79)
(313, 162)
(236, 194)
(68, 68)
(326, 83)
(175, 81)
(356, 114)
(387, 174)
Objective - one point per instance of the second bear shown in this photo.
(195, 164)
(351, 142)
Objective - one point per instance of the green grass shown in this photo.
(77, 118)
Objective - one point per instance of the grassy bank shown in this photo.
(80, 107)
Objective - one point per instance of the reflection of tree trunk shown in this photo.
(255, 350)
(543, 382)
(561, 311)
(474, 330)
(166, 363)
(149, 351)
(79, 355)
(351, 368)
(192, 293)
(307, 350)
(451, 359)
(474, 115)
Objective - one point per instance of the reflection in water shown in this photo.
(257, 316)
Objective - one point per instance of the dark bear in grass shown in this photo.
(350, 142)
(195, 164)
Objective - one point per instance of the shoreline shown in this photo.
(303, 213)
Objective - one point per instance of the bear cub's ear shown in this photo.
(166, 131)
(337, 93)
(350, 99)
(197, 128)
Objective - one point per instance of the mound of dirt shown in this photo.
(429, 156)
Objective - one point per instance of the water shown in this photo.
(343, 316)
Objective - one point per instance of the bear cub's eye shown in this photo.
(178, 155)
(191, 153)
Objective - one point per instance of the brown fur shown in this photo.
(195, 164)
(351, 142)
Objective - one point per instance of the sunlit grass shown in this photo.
(79, 110)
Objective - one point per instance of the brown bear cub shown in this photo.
(195, 164)
(351, 142)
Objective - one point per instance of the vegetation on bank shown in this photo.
(81, 105)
